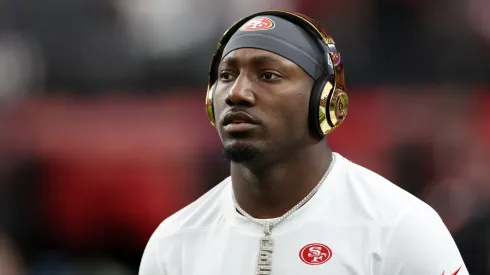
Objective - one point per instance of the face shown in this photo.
(261, 105)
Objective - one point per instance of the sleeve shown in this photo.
(150, 261)
(421, 244)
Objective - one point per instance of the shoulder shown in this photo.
(420, 243)
(375, 196)
(166, 240)
(204, 212)
(415, 239)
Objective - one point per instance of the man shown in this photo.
(291, 205)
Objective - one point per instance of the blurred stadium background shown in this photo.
(103, 131)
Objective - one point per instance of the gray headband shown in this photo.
(282, 37)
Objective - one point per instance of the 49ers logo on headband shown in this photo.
(258, 23)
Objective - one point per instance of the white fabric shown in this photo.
(371, 226)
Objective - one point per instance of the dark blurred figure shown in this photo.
(413, 167)
(21, 207)
(473, 241)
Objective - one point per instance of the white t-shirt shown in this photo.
(357, 223)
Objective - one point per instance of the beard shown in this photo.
(241, 154)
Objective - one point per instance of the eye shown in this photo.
(226, 76)
(270, 76)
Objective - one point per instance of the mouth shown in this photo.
(235, 122)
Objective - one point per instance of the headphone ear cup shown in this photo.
(338, 105)
(328, 107)
(317, 115)
(210, 104)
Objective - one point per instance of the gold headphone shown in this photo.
(328, 100)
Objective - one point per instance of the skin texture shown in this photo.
(276, 161)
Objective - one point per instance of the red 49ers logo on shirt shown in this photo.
(315, 254)
(258, 23)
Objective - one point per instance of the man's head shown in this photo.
(263, 87)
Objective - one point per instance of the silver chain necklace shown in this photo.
(264, 263)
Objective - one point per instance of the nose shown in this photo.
(241, 93)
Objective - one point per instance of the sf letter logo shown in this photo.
(315, 254)
(258, 23)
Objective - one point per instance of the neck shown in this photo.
(272, 191)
